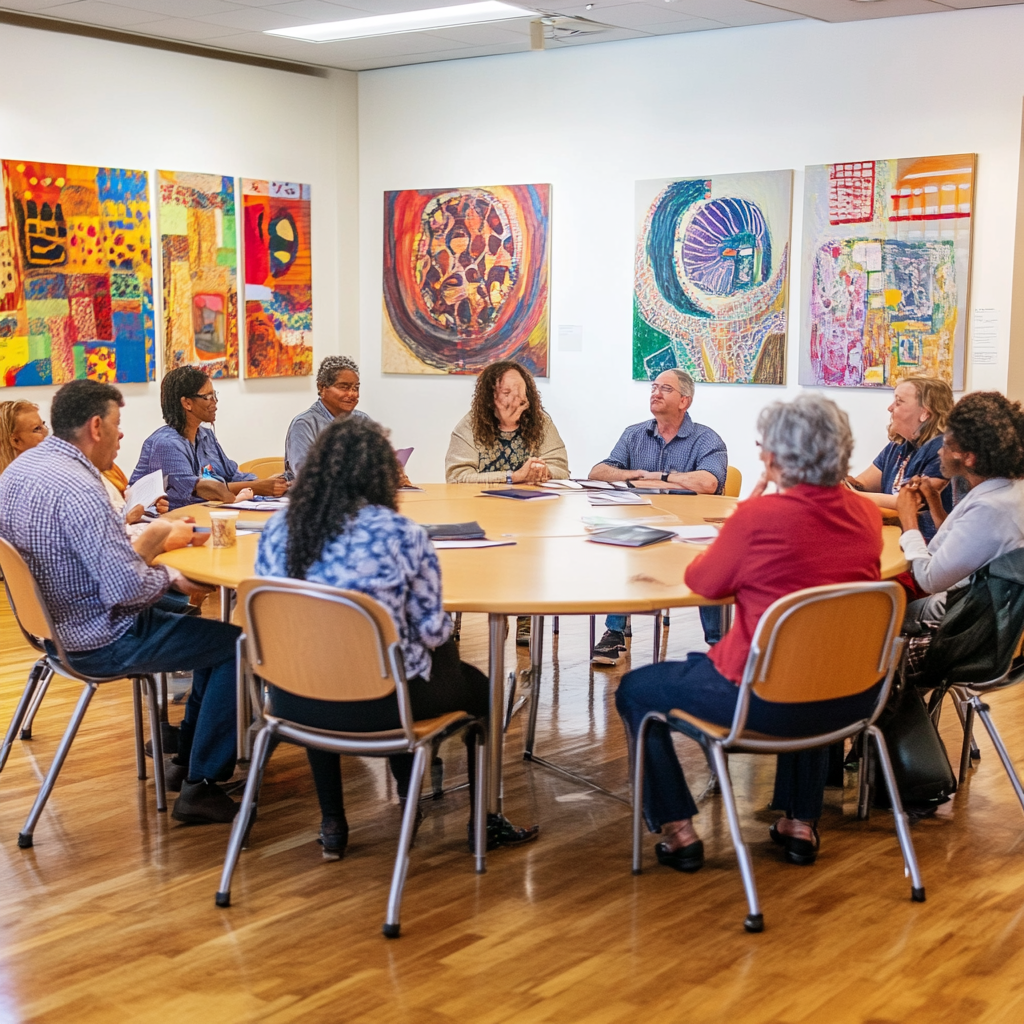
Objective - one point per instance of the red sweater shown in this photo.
(770, 546)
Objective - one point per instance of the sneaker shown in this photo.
(523, 631)
(204, 803)
(606, 651)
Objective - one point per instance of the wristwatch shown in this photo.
(664, 478)
(508, 476)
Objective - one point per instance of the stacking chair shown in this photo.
(323, 643)
(38, 682)
(263, 468)
(815, 644)
(35, 622)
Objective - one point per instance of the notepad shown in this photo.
(631, 536)
(695, 534)
(563, 485)
(145, 491)
(519, 495)
(617, 498)
(270, 505)
(454, 531)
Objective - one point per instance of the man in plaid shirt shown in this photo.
(101, 590)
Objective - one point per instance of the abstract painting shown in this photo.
(466, 278)
(200, 261)
(887, 251)
(76, 275)
(711, 277)
(278, 279)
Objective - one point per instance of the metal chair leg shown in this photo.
(25, 836)
(536, 660)
(243, 706)
(554, 625)
(457, 627)
(156, 735)
(637, 773)
(161, 678)
(657, 638)
(967, 713)
(902, 825)
(392, 925)
(42, 685)
(993, 733)
(240, 827)
(592, 638)
(140, 742)
(864, 781)
(754, 921)
(480, 803)
(31, 684)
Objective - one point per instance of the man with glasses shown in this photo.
(673, 451)
(337, 383)
(188, 453)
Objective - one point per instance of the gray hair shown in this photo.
(810, 438)
(331, 367)
(686, 386)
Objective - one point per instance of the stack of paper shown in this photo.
(616, 498)
(145, 491)
(695, 534)
(256, 505)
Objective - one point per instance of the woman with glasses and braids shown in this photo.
(342, 529)
(190, 457)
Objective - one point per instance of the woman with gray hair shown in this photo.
(812, 532)
(337, 383)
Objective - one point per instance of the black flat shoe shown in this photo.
(333, 837)
(687, 858)
(501, 832)
(798, 851)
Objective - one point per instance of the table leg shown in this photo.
(225, 604)
(536, 658)
(496, 666)
(726, 611)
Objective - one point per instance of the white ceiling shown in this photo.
(238, 25)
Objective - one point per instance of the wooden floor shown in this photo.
(111, 917)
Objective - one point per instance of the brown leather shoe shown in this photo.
(204, 803)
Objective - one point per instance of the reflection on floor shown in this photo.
(110, 917)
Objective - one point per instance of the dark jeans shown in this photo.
(696, 686)
(710, 620)
(161, 641)
(453, 686)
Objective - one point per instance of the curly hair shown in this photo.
(328, 371)
(990, 427)
(350, 465)
(9, 413)
(936, 396)
(183, 382)
(485, 421)
(810, 438)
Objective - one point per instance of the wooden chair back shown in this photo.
(263, 468)
(733, 482)
(823, 643)
(23, 594)
(316, 641)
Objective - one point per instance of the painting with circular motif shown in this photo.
(712, 277)
(76, 275)
(466, 278)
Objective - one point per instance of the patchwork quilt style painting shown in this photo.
(76, 275)
(278, 279)
(466, 279)
(200, 261)
(711, 277)
(887, 250)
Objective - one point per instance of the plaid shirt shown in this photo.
(54, 509)
(182, 462)
(694, 447)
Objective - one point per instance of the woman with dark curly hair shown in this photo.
(506, 437)
(191, 458)
(342, 528)
(983, 446)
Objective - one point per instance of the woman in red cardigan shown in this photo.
(812, 532)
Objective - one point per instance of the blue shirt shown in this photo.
(54, 509)
(182, 462)
(900, 461)
(304, 430)
(386, 556)
(694, 447)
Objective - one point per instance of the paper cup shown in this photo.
(222, 527)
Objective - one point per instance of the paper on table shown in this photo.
(443, 544)
(695, 534)
(145, 490)
(563, 485)
(609, 522)
(616, 498)
(273, 505)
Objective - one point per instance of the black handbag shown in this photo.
(924, 776)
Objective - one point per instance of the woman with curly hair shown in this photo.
(342, 528)
(919, 409)
(506, 437)
(983, 446)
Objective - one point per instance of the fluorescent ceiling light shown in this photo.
(411, 21)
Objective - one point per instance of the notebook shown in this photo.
(454, 531)
(513, 492)
(631, 536)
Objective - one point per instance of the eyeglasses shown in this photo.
(346, 388)
(210, 396)
(665, 389)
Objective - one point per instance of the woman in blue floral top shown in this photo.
(342, 529)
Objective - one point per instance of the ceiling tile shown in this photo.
(185, 30)
(495, 34)
(964, 4)
(254, 19)
(636, 15)
(316, 11)
(177, 8)
(30, 6)
(857, 10)
(95, 12)
(667, 28)
(734, 12)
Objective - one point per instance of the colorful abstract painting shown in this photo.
(711, 277)
(278, 279)
(200, 261)
(466, 278)
(76, 275)
(887, 251)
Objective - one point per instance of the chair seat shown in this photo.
(719, 732)
(393, 739)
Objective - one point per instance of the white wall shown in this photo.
(67, 99)
(592, 120)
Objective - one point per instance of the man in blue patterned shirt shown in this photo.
(672, 450)
(101, 590)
